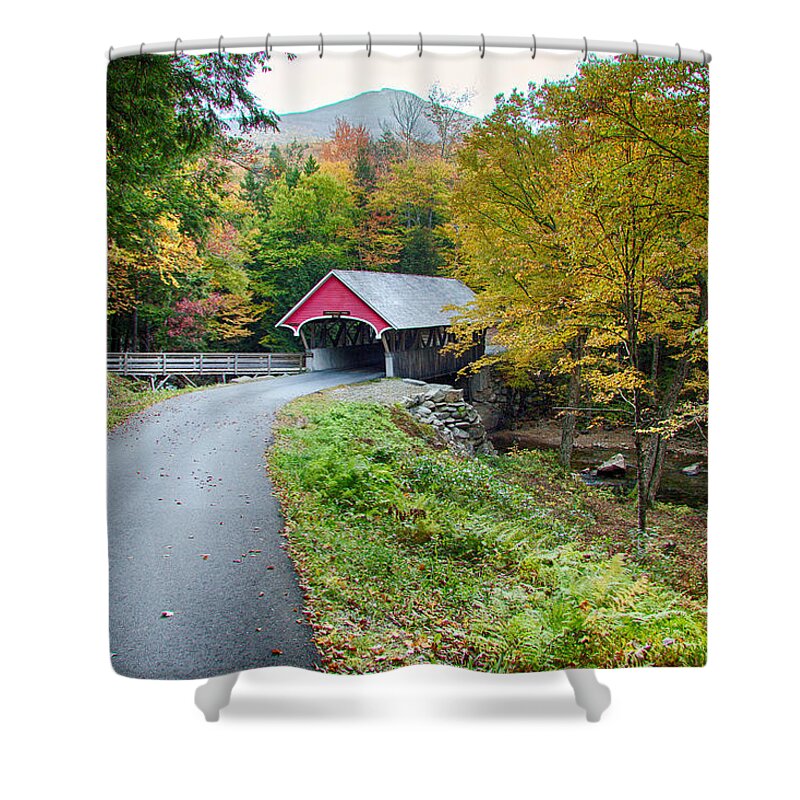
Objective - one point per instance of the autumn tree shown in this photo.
(346, 141)
(582, 215)
(505, 220)
(634, 161)
(408, 116)
(445, 111)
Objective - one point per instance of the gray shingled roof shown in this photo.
(407, 301)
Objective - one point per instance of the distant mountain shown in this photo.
(371, 109)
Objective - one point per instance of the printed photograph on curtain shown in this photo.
(407, 361)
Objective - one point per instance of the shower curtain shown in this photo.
(407, 361)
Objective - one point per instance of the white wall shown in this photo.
(352, 356)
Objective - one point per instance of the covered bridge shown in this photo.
(357, 318)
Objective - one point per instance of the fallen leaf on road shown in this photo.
(167, 614)
(205, 556)
(277, 652)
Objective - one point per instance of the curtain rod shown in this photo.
(418, 40)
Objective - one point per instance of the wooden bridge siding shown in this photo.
(428, 362)
(417, 353)
(204, 363)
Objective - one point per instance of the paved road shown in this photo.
(186, 480)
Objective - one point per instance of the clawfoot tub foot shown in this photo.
(591, 695)
(214, 695)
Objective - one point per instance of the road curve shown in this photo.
(194, 531)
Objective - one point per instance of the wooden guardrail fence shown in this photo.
(219, 364)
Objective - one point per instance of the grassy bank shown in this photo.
(126, 397)
(409, 554)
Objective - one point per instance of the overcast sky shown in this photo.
(310, 82)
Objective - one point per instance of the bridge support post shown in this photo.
(388, 356)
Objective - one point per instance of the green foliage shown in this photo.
(307, 232)
(164, 113)
(412, 553)
(172, 125)
(416, 194)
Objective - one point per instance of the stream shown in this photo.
(675, 487)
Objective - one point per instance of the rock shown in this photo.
(414, 382)
(615, 467)
(692, 469)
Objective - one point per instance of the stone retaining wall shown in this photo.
(455, 420)
(490, 397)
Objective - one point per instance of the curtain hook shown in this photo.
(219, 46)
(704, 57)
(267, 48)
(483, 46)
(679, 51)
(637, 47)
(175, 48)
(110, 50)
(585, 49)
(321, 46)
(420, 45)
(369, 44)
(141, 47)
(533, 49)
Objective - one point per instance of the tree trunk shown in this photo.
(134, 343)
(569, 419)
(654, 367)
(641, 487)
(656, 449)
(657, 444)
